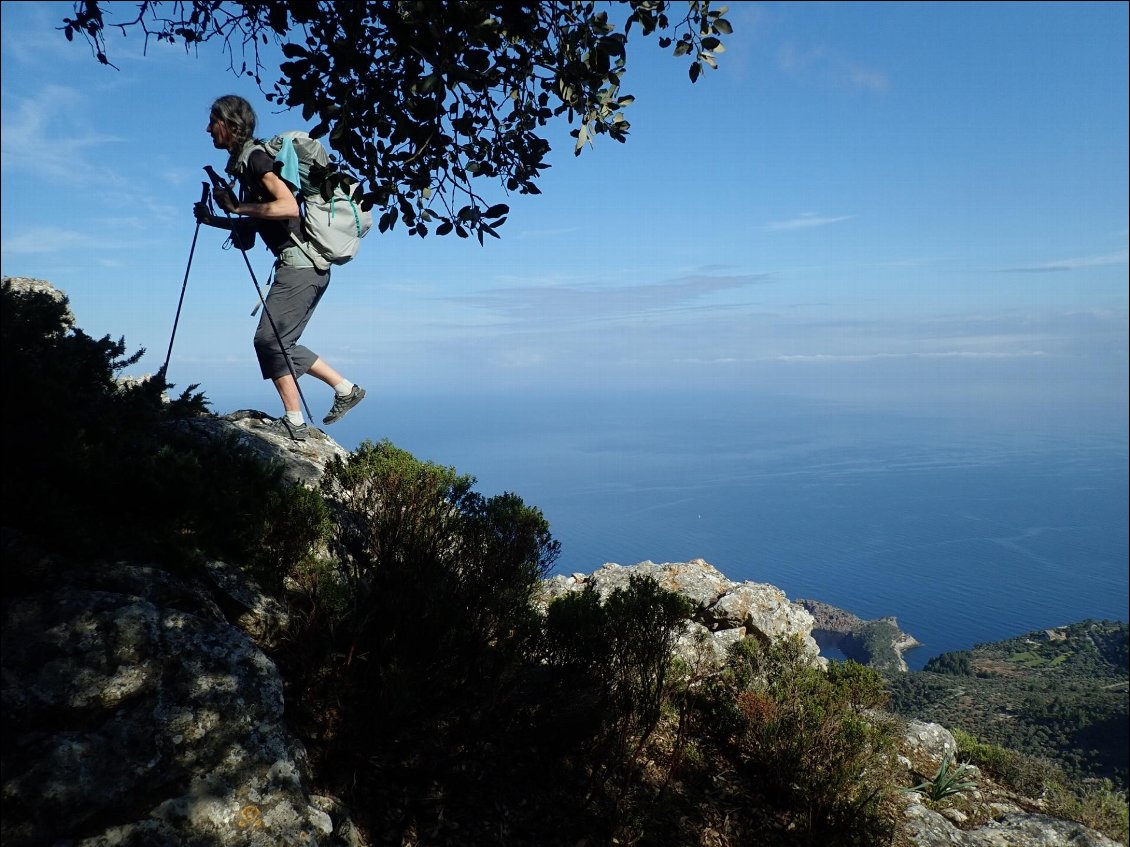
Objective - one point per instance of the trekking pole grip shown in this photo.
(217, 180)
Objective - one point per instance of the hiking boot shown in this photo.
(283, 428)
(343, 403)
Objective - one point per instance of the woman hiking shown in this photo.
(267, 206)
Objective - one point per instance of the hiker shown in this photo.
(267, 206)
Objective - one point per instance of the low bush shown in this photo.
(617, 654)
(98, 474)
(811, 740)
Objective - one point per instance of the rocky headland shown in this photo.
(878, 643)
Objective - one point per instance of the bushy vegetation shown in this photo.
(1060, 697)
(99, 469)
(957, 663)
(809, 740)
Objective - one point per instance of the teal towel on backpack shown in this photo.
(288, 158)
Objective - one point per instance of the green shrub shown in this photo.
(956, 663)
(812, 739)
(1096, 804)
(98, 473)
(442, 580)
(1029, 775)
(218, 498)
(620, 651)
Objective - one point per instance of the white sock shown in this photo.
(343, 387)
(295, 418)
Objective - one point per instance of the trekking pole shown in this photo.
(184, 285)
(219, 184)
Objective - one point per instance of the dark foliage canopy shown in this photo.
(434, 103)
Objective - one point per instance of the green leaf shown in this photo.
(582, 137)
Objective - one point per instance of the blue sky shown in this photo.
(911, 207)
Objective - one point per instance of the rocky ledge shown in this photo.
(724, 611)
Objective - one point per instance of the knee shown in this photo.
(263, 341)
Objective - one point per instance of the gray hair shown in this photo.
(237, 114)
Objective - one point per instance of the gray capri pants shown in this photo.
(291, 302)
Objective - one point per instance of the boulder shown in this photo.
(924, 827)
(135, 713)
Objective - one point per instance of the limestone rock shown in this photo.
(724, 611)
(256, 612)
(696, 580)
(926, 745)
(927, 828)
(305, 462)
(923, 747)
(41, 286)
(762, 609)
(136, 714)
(123, 704)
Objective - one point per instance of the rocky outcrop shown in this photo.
(304, 461)
(41, 286)
(877, 643)
(724, 611)
(135, 713)
(985, 815)
(925, 827)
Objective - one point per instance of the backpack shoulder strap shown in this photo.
(237, 161)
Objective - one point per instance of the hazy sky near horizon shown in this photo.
(919, 207)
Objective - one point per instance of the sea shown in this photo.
(965, 533)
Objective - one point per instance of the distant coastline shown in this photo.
(878, 643)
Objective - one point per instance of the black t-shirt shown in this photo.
(275, 234)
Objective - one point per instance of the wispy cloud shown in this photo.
(806, 220)
(1119, 257)
(832, 358)
(54, 240)
(830, 67)
(44, 135)
(560, 303)
(869, 78)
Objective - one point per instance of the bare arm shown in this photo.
(281, 206)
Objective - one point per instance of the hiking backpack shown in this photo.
(333, 225)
